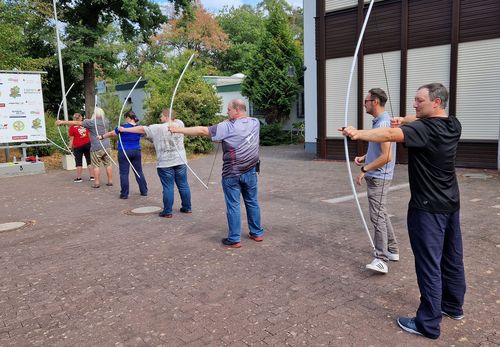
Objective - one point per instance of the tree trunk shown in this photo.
(88, 82)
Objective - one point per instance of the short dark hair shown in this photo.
(380, 94)
(131, 114)
(437, 90)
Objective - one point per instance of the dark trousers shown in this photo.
(436, 242)
(135, 158)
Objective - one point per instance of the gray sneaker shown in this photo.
(392, 256)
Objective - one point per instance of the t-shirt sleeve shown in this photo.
(416, 134)
(219, 131)
(149, 130)
(87, 123)
(71, 131)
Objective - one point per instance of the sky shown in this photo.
(215, 5)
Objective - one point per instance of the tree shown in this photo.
(272, 82)
(27, 42)
(196, 102)
(244, 26)
(22, 27)
(87, 21)
(201, 33)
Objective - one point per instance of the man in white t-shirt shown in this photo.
(171, 160)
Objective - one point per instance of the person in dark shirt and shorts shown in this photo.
(433, 218)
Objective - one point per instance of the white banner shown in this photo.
(21, 108)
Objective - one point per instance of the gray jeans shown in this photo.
(385, 240)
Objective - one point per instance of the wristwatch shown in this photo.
(363, 170)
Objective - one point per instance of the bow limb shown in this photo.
(58, 128)
(119, 120)
(353, 65)
(170, 118)
(97, 134)
(213, 163)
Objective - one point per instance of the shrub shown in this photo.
(273, 134)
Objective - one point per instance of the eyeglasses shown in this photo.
(369, 100)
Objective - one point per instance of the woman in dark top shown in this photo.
(129, 145)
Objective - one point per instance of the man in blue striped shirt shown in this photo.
(377, 168)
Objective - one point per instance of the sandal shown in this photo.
(109, 184)
(95, 186)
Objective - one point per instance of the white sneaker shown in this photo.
(392, 256)
(378, 266)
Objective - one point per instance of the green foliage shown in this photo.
(273, 134)
(245, 27)
(111, 104)
(268, 83)
(89, 21)
(27, 42)
(297, 132)
(196, 102)
(23, 35)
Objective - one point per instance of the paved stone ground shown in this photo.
(87, 274)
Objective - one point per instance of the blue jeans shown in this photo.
(169, 175)
(135, 158)
(246, 185)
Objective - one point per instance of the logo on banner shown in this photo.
(35, 112)
(36, 123)
(25, 137)
(15, 92)
(18, 125)
(4, 126)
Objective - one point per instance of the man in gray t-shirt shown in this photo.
(240, 143)
(99, 150)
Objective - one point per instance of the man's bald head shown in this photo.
(239, 105)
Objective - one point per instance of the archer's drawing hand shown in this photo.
(349, 132)
(396, 122)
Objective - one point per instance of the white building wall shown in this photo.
(337, 80)
(374, 77)
(137, 97)
(335, 5)
(478, 89)
(426, 65)
(310, 77)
